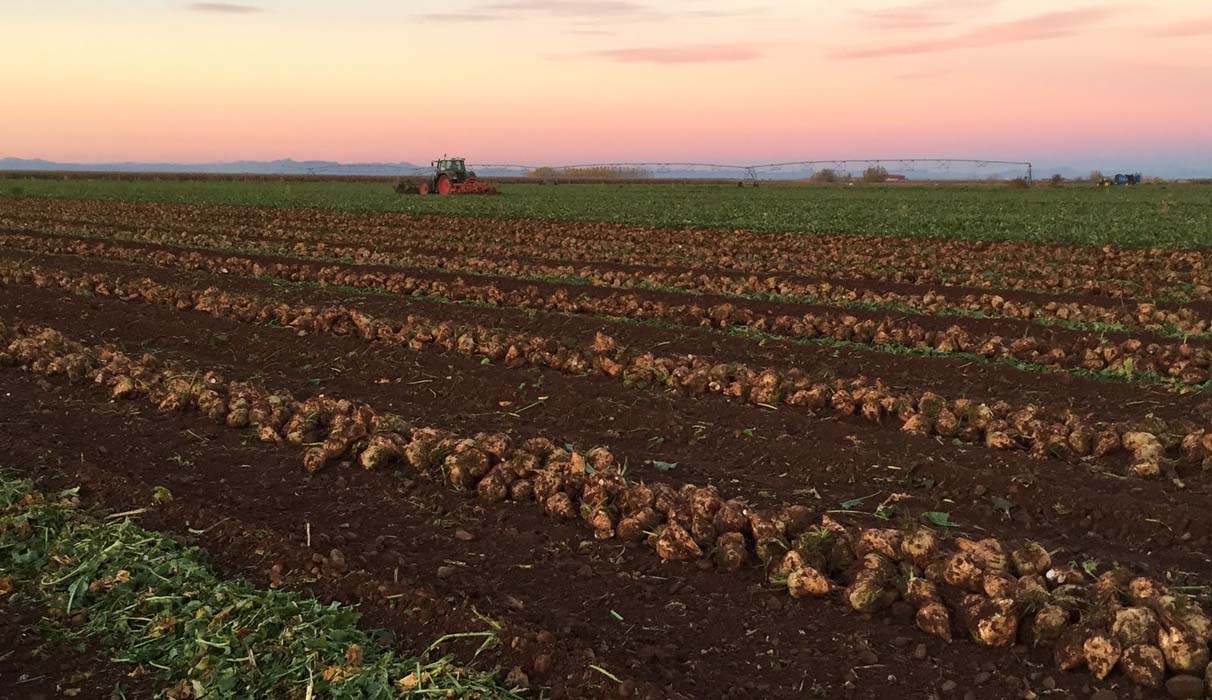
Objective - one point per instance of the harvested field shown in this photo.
(588, 460)
(1171, 214)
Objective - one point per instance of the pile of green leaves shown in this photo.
(155, 603)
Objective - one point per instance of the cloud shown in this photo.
(591, 31)
(460, 17)
(924, 15)
(227, 8)
(922, 75)
(584, 10)
(570, 8)
(1050, 25)
(1191, 27)
(905, 18)
(703, 53)
(723, 14)
(521, 9)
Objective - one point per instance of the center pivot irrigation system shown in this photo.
(921, 168)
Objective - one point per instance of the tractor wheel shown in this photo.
(444, 185)
(423, 188)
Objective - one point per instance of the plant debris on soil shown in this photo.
(163, 611)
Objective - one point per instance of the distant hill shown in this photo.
(676, 171)
(239, 167)
(330, 168)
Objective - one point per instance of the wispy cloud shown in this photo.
(455, 17)
(596, 10)
(224, 8)
(922, 75)
(1191, 27)
(928, 14)
(570, 8)
(1050, 25)
(591, 31)
(925, 15)
(521, 9)
(703, 53)
(722, 14)
(905, 18)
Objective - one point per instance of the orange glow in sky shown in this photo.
(562, 81)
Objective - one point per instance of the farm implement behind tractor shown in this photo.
(450, 176)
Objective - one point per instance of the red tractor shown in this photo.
(450, 176)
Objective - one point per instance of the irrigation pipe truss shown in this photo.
(750, 172)
(756, 172)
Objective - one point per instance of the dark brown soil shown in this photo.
(38, 665)
(950, 376)
(673, 246)
(745, 450)
(422, 561)
(684, 633)
(1007, 327)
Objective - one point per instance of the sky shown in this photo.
(1118, 84)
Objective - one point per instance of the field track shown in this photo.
(566, 417)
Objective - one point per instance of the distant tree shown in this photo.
(875, 173)
(1096, 176)
(1057, 180)
(825, 176)
(601, 172)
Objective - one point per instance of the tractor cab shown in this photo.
(456, 167)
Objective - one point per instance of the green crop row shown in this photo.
(1171, 215)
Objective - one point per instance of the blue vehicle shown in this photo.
(1123, 179)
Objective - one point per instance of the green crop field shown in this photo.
(1147, 215)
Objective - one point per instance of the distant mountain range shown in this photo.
(239, 167)
(329, 168)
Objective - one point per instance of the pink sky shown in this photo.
(565, 80)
